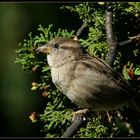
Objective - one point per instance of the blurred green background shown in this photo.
(17, 101)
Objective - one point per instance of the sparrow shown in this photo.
(86, 80)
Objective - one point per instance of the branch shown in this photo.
(76, 124)
(112, 43)
(110, 38)
(80, 30)
(123, 43)
(132, 39)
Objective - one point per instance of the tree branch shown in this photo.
(132, 39)
(110, 38)
(76, 124)
(80, 30)
(112, 43)
(123, 43)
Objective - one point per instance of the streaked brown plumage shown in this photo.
(86, 80)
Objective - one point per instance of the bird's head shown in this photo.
(61, 49)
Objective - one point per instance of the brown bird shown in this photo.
(87, 80)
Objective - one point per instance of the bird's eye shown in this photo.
(56, 45)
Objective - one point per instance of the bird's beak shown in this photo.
(44, 49)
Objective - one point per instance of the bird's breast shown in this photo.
(62, 77)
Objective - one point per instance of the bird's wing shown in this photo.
(101, 67)
(96, 73)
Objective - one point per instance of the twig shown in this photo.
(80, 30)
(137, 37)
(110, 38)
(123, 43)
(77, 122)
(132, 39)
(112, 43)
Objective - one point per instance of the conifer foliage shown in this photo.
(58, 113)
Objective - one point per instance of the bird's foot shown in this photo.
(84, 112)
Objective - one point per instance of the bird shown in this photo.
(86, 80)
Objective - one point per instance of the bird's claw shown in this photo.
(82, 111)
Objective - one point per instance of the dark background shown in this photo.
(17, 101)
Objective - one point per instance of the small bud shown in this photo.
(34, 117)
(137, 15)
(101, 3)
(34, 84)
(138, 78)
(34, 88)
(131, 73)
(44, 94)
(44, 87)
(35, 69)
